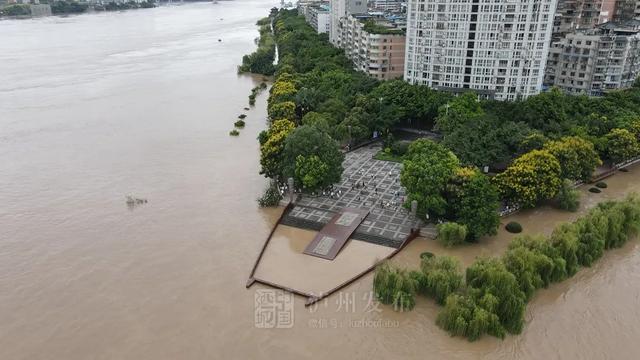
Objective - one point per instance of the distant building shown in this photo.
(386, 5)
(341, 9)
(374, 46)
(319, 17)
(626, 10)
(497, 48)
(40, 9)
(593, 61)
(582, 14)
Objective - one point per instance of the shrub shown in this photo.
(595, 190)
(234, 132)
(495, 287)
(601, 185)
(514, 227)
(450, 234)
(568, 198)
(247, 109)
(400, 147)
(263, 85)
(463, 316)
(271, 196)
(426, 255)
(239, 124)
(242, 116)
(442, 277)
(395, 286)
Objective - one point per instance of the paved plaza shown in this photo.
(366, 183)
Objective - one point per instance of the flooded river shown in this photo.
(100, 106)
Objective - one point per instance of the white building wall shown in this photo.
(341, 9)
(496, 47)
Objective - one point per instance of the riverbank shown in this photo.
(64, 8)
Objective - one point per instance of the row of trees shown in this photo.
(552, 136)
(261, 60)
(510, 129)
(434, 177)
(493, 296)
(316, 88)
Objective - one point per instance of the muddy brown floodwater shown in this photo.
(100, 106)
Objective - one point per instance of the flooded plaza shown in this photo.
(140, 103)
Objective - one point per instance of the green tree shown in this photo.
(308, 141)
(393, 285)
(271, 146)
(532, 177)
(621, 145)
(310, 172)
(442, 277)
(458, 112)
(578, 158)
(568, 198)
(473, 201)
(427, 168)
(450, 234)
(488, 278)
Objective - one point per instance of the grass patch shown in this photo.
(387, 156)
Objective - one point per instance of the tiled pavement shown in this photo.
(388, 222)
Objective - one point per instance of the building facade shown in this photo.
(626, 10)
(582, 14)
(593, 61)
(319, 17)
(340, 9)
(386, 5)
(496, 47)
(374, 46)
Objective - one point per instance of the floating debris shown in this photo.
(133, 201)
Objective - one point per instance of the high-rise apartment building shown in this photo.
(375, 46)
(341, 9)
(583, 14)
(626, 10)
(496, 47)
(593, 61)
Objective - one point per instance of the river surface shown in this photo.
(99, 106)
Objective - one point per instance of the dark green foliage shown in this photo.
(595, 190)
(568, 197)
(15, 10)
(601, 184)
(308, 141)
(427, 168)
(400, 148)
(70, 7)
(242, 116)
(426, 255)
(239, 124)
(513, 227)
(271, 196)
(261, 61)
(442, 277)
(234, 132)
(473, 202)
